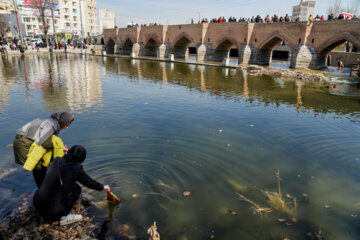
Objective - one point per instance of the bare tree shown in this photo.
(335, 7)
(41, 6)
(353, 7)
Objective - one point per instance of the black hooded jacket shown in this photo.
(60, 182)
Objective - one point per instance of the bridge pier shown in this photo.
(201, 52)
(117, 48)
(163, 51)
(137, 49)
(305, 57)
(248, 55)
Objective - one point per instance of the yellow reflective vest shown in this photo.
(36, 153)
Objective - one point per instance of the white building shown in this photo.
(5, 7)
(304, 10)
(70, 16)
(89, 13)
(31, 19)
(106, 19)
(70, 19)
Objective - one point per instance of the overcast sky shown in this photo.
(180, 12)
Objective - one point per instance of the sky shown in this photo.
(181, 12)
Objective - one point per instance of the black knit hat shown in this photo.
(76, 153)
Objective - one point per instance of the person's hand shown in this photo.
(107, 188)
(66, 149)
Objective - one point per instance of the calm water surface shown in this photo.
(158, 129)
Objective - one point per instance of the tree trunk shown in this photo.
(46, 40)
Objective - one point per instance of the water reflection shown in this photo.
(63, 84)
(155, 130)
(233, 83)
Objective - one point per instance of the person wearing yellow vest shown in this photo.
(37, 143)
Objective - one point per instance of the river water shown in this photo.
(154, 130)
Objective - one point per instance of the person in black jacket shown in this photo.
(59, 191)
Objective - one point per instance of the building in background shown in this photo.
(31, 19)
(9, 27)
(70, 20)
(89, 17)
(304, 10)
(106, 19)
(67, 19)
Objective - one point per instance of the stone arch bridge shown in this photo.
(309, 43)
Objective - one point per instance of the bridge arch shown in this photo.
(223, 47)
(274, 39)
(180, 45)
(266, 47)
(127, 46)
(110, 46)
(329, 45)
(151, 47)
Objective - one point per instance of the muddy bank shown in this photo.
(285, 73)
(24, 223)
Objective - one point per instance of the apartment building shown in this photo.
(90, 17)
(31, 19)
(70, 19)
(106, 19)
(304, 10)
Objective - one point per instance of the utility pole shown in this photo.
(199, 16)
(18, 21)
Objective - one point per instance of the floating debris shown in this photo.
(327, 206)
(232, 213)
(288, 195)
(299, 175)
(305, 195)
(186, 193)
(229, 145)
(220, 130)
(251, 125)
(135, 195)
(152, 231)
(10, 145)
(281, 220)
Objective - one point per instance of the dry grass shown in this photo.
(274, 200)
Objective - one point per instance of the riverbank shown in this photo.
(97, 50)
(24, 223)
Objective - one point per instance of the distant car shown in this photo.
(36, 41)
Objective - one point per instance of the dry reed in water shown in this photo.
(274, 200)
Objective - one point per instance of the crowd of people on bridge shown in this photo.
(275, 18)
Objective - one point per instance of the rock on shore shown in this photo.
(285, 73)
